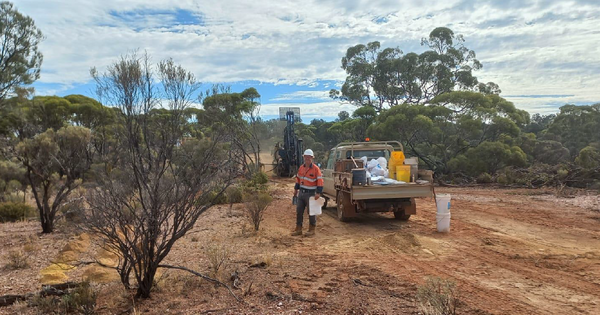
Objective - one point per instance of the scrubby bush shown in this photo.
(217, 199)
(589, 158)
(15, 211)
(258, 182)
(234, 194)
(17, 260)
(81, 300)
(47, 304)
(484, 178)
(218, 255)
(488, 157)
(437, 297)
(255, 205)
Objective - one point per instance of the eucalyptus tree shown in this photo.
(20, 59)
(382, 78)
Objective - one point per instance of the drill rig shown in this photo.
(288, 154)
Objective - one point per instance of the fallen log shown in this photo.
(47, 290)
(7, 300)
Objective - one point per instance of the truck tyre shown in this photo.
(340, 199)
(399, 215)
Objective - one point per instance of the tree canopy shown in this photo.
(20, 59)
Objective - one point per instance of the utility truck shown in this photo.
(355, 195)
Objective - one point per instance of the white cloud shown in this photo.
(535, 47)
(302, 95)
(309, 111)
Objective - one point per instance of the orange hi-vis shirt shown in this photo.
(310, 178)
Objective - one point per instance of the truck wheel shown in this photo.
(325, 204)
(341, 204)
(399, 215)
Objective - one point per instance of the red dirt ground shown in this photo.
(509, 252)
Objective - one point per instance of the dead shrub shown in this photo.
(17, 259)
(218, 255)
(255, 204)
(437, 297)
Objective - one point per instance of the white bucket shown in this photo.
(443, 203)
(443, 222)
(314, 206)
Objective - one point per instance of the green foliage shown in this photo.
(575, 127)
(379, 78)
(484, 178)
(15, 211)
(589, 158)
(55, 162)
(256, 202)
(12, 179)
(258, 182)
(234, 194)
(81, 300)
(454, 123)
(216, 197)
(488, 157)
(20, 59)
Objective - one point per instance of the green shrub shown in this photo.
(82, 300)
(234, 194)
(503, 179)
(216, 198)
(260, 178)
(46, 304)
(255, 204)
(15, 211)
(258, 182)
(589, 157)
(484, 178)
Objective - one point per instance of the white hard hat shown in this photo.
(309, 152)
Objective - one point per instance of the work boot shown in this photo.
(311, 231)
(297, 231)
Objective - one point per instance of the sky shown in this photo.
(543, 54)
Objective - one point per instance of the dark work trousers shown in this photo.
(303, 196)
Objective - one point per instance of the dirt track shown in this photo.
(509, 251)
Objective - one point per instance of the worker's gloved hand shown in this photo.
(295, 200)
(317, 195)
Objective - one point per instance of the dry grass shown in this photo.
(17, 259)
(218, 255)
(437, 297)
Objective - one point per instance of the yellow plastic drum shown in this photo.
(396, 159)
(403, 173)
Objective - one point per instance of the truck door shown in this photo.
(328, 186)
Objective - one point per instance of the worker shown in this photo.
(309, 182)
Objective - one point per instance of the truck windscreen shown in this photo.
(370, 154)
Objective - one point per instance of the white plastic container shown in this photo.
(443, 203)
(314, 206)
(443, 222)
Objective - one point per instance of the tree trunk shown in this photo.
(145, 286)
(47, 226)
(46, 219)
